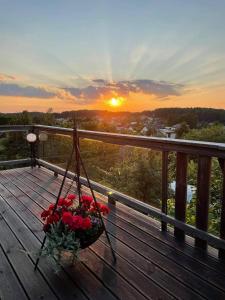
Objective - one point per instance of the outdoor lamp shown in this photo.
(31, 138)
(43, 137)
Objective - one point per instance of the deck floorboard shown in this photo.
(150, 265)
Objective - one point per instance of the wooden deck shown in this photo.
(150, 264)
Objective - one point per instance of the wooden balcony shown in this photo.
(152, 262)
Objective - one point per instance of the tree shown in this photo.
(210, 133)
(182, 129)
(138, 175)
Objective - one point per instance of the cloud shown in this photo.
(5, 77)
(16, 90)
(102, 88)
(97, 89)
(8, 89)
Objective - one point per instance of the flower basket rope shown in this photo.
(89, 211)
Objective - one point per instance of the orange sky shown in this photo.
(214, 97)
(153, 53)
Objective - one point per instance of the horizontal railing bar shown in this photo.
(11, 128)
(160, 144)
(16, 162)
(140, 206)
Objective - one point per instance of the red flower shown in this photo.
(92, 210)
(71, 197)
(68, 202)
(67, 218)
(45, 214)
(86, 224)
(51, 206)
(87, 199)
(96, 205)
(61, 201)
(77, 222)
(105, 210)
(53, 218)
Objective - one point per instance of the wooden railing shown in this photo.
(203, 150)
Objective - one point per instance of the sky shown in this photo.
(143, 54)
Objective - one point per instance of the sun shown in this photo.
(116, 101)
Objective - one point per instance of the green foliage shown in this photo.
(192, 116)
(24, 118)
(182, 129)
(14, 146)
(138, 175)
(59, 240)
(210, 133)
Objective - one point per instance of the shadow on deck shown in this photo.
(150, 264)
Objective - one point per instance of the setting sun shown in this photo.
(116, 101)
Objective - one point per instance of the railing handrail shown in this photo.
(142, 141)
(156, 143)
(11, 128)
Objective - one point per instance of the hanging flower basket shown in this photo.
(72, 226)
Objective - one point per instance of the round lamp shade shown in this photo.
(43, 137)
(31, 138)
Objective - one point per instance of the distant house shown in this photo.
(168, 132)
(144, 130)
(133, 123)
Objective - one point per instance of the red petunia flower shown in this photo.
(104, 209)
(86, 201)
(71, 197)
(86, 198)
(77, 222)
(51, 206)
(61, 201)
(67, 218)
(45, 214)
(86, 224)
(53, 218)
(68, 202)
(92, 210)
(96, 205)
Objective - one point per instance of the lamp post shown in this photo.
(32, 138)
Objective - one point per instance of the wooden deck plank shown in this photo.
(146, 284)
(142, 258)
(202, 269)
(34, 284)
(120, 286)
(81, 275)
(157, 275)
(59, 281)
(8, 278)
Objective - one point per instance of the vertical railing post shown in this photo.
(111, 199)
(181, 192)
(202, 205)
(222, 221)
(164, 187)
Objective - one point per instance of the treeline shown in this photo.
(192, 116)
